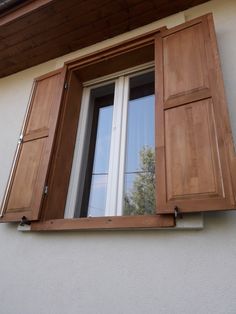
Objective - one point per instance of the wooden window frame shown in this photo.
(75, 68)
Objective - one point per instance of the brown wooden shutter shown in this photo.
(27, 184)
(53, 206)
(192, 124)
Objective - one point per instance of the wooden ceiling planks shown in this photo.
(59, 27)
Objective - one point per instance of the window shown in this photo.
(130, 114)
(116, 163)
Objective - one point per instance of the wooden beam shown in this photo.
(23, 10)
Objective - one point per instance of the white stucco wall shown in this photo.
(141, 272)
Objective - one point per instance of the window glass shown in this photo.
(95, 187)
(139, 182)
(98, 191)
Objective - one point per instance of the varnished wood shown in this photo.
(192, 163)
(41, 111)
(61, 163)
(220, 98)
(106, 223)
(59, 27)
(38, 134)
(185, 64)
(90, 67)
(192, 124)
(108, 65)
(27, 184)
(188, 97)
(194, 153)
(22, 10)
(26, 176)
(232, 161)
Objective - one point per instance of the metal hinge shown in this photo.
(66, 85)
(45, 189)
(177, 213)
(24, 221)
(20, 140)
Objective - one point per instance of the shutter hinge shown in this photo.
(24, 221)
(177, 213)
(20, 140)
(65, 85)
(45, 189)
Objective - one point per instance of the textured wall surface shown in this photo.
(135, 272)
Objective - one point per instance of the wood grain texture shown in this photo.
(27, 185)
(192, 162)
(44, 103)
(184, 63)
(192, 124)
(25, 179)
(91, 67)
(61, 163)
(45, 29)
(106, 223)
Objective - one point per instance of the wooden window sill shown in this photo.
(104, 223)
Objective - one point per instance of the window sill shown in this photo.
(104, 223)
(190, 221)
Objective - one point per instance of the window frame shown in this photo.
(107, 222)
(115, 183)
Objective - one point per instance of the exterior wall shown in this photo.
(162, 271)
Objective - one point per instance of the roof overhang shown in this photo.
(35, 31)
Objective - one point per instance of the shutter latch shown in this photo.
(24, 221)
(177, 213)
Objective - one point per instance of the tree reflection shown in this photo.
(140, 199)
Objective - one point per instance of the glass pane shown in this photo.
(92, 191)
(103, 140)
(139, 185)
(97, 199)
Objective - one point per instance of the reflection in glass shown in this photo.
(92, 198)
(139, 185)
(97, 199)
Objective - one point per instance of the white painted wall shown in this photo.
(141, 272)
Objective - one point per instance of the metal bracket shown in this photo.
(46, 189)
(24, 221)
(65, 85)
(20, 139)
(177, 213)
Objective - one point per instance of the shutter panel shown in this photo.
(53, 206)
(27, 183)
(192, 123)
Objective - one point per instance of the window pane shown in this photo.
(103, 140)
(139, 185)
(97, 199)
(98, 192)
(92, 200)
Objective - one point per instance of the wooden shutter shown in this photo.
(192, 124)
(27, 183)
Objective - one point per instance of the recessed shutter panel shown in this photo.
(27, 183)
(192, 123)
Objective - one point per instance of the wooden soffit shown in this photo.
(40, 30)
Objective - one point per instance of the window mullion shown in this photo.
(120, 188)
(113, 174)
